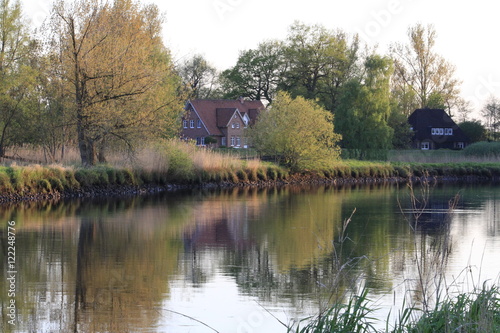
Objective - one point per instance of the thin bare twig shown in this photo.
(192, 318)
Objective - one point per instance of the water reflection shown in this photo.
(121, 265)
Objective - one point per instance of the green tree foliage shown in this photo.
(474, 130)
(298, 131)
(312, 62)
(422, 78)
(17, 76)
(320, 62)
(199, 77)
(365, 108)
(257, 74)
(398, 121)
(120, 75)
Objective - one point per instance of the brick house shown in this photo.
(222, 120)
(434, 129)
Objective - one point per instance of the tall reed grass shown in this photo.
(477, 311)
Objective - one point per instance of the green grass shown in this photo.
(351, 317)
(473, 312)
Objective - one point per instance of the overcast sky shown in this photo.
(468, 32)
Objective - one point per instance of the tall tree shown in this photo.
(365, 107)
(421, 74)
(17, 77)
(320, 62)
(298, 131)
(119, 72)
(491, 112)
(199, 77)
(257, 74)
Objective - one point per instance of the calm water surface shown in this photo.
(240, 260)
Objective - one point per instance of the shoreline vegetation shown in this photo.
(175, 166)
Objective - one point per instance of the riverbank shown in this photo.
(35, 182)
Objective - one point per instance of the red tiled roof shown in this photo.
(216, 113)
(223, 116)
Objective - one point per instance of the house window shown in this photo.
(233, 140)
(448, 131)
(437, 131)
(237, 125)
(238, 141)
(424, 146)
(200, 141)
(198, 125)
(185, 124)
(460, 145)
(223, 141)
(191, 123)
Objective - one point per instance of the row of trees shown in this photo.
(371, 95)
(97, 76)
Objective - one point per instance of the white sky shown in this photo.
(219, 29)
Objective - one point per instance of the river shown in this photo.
(243, 259)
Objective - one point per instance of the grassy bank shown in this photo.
(182, 170)
(177, 163)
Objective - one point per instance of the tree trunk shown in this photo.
(101, 154)
(86, 146)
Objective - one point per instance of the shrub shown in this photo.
(242, 175)
(56, 184)
(483, 149)
(272, 173)
(111, 172)
(252, 174)
(5, 183)
(44, 186)
(261, 174)
(233, 177)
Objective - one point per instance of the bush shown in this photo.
(5, 183)
(44, 186)
(483, 149)
(56, 184)
(180, 165)
(242, 175)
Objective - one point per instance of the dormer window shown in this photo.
(437, 131)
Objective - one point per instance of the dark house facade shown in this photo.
(222, 120)
(434, 129)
